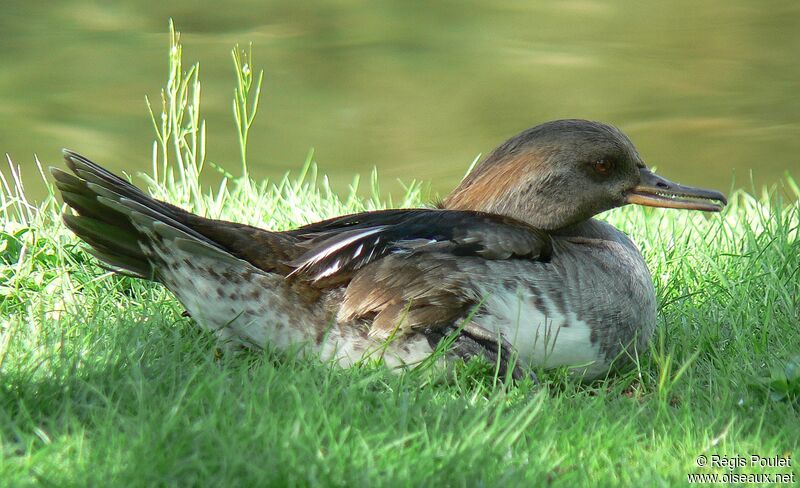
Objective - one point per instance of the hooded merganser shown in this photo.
(510, 265)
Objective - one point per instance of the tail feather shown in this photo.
(110, 213)
(89, 172)
(120, 252)
(78, 195)
(120, 222)
(101, 234)
(113, 261)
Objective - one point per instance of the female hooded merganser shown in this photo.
(510, 265)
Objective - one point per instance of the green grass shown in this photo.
(104, 383)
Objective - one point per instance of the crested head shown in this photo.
(563, 172)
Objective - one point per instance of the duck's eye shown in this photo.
(602, 167)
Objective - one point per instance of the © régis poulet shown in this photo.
(511, 263)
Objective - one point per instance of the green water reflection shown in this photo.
(705, 89)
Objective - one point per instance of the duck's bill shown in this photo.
(655, 191)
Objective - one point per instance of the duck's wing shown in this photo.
(338, 248)
(408, 270)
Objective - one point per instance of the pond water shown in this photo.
(709, 91)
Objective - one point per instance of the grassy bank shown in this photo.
(103, 382)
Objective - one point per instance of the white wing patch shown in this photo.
(332, 249)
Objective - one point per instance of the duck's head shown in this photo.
(563, 172)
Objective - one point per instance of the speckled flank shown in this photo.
(248, 307)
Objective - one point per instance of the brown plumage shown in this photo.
(517, 234)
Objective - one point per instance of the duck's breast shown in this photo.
(586, 308)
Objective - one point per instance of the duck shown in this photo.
(512, 266)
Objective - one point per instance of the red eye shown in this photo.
(601, 166)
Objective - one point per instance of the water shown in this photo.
(709, 91)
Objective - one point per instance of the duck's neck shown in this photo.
(522, 188)
(524, 205)
(596, 229)
(590, 228)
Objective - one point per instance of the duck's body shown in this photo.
(502, 267)
(562, 312)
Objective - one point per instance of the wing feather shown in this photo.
(339, 248)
